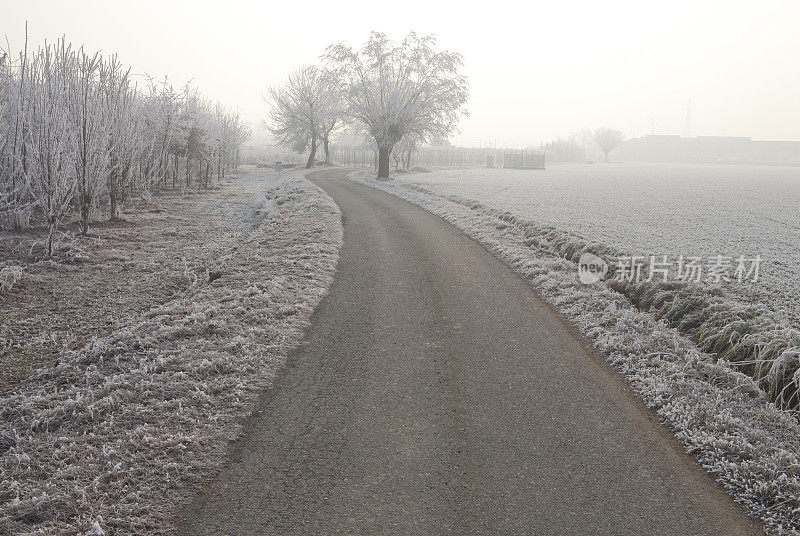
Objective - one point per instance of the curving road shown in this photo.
(437, 394)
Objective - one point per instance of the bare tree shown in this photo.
(124, 130)
(405, 149)
(298, 114)
(242, 133)
(48, 164)
(92, 138)
(394, 90)
(607, 139)
(332, 111)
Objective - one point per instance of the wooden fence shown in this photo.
(524, 160)
(445, 157)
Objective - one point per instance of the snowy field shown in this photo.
(658, 209)
(113, 436)
(719, 413)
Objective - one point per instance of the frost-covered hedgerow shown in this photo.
(78, 136)
(116, 437)
(719, 413)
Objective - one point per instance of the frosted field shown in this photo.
(658, 209)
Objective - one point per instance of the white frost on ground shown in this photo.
(116, 437)
(720, 415)
(9, 276)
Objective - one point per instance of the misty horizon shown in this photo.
(536, 73)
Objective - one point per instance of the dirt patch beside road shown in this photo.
(97, 284)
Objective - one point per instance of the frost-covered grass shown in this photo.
(164, 241)
(10, 275)
(119, 434)
(720, 414)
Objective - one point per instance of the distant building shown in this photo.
(707, 150)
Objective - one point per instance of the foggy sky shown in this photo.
(537, 70)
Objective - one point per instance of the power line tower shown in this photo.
(687, 128)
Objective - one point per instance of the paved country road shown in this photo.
(437, 394)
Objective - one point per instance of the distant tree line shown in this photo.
(578, 147)
(78, 136)
(564, 150)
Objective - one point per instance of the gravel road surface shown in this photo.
(436, 393)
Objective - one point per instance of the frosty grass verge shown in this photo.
(119, 435)
(720, 415)
(10, 275)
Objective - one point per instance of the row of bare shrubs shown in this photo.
(78, 135)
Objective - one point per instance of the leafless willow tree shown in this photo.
(333, 111)
(305, 111)
(607, 139)
(394, 90)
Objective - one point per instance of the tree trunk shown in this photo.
(51, 230)
(383, 163)
(113, 205)
(112, 196)
(326, 147)
(84, 217)
(313, 153)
